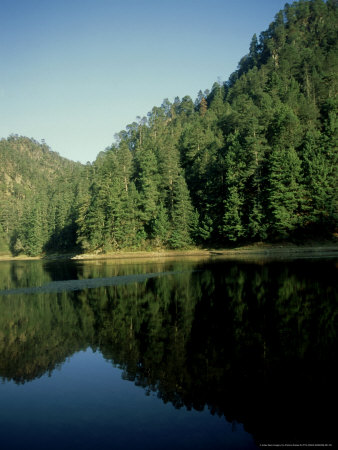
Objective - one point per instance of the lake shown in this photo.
(168, 354)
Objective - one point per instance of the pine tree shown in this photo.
(320, 176)
(161, 227)
(182, 216)
(32, 234)
(147, 184)
(203, 106)
(286, 192)
(232, 228)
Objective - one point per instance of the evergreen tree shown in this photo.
(161, 227)
(147, 184)
(182, 216)
(286, 193)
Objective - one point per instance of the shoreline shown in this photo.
(259, 249)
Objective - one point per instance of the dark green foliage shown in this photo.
(285, 191)
(109, 216)
(38, 201)
(252, 159)
(161, 227)
(182, 215)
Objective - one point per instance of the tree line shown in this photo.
(253, 159)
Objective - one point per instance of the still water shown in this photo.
(174, 354)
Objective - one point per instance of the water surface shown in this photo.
(184, 354)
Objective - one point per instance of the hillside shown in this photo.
(254, 159)
(36, 196)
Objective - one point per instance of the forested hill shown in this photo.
(37, 197)
(253, 159)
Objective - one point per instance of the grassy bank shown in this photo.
(287, 249)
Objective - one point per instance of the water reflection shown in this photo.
(255, 343)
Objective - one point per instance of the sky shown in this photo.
(76, 72)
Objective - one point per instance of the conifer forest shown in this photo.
(252, 159)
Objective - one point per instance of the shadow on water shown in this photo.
(254, 342)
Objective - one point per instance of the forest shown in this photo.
(252, 159)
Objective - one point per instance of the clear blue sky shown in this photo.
(75, 72)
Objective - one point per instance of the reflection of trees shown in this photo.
(22, 274)
(247, 341)
(38, 332)
(145, 331)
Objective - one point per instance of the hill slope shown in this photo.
(36, 197)
(253, 159)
